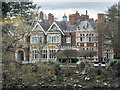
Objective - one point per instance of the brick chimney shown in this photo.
(41, 15)
(72, 19)
(51, 17)
(77, 16)
(100, 17)
(100, 37)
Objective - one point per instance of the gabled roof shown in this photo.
(60, 27)
(93, 24)
(44, 27)
(71, 27)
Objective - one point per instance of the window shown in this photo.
(35, 40)
(51, 54)
(68, 40)
(83, 34)
(57, 39)
(86, 34)
(41, 40)
(53, 39)
(80, 34)
(87, 39)
(90, 39)
(83, 39)
(34, 54)
(80, 38)
(89, 34)
(43, 54)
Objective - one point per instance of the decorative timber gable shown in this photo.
(55, 28)
(37, 28)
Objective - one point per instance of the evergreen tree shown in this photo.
(23, 9)
(111, 30)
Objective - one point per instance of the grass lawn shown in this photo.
(69, 65)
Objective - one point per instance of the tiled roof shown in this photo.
(45, 26)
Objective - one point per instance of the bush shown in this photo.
(68, 72)
(82, 65)
(115, 65)
(99, 71)
(60, 79)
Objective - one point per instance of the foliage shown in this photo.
(111, 27)
(82, 65)
(98, 71)
(24, 9)
(99, 77)
(115, 65)
(68, 72)
(55, 63)
(59, 79)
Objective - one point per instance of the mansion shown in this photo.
(43, 39)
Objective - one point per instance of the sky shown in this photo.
(59, 7)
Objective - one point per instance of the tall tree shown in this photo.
(111, 28)
(24, 9)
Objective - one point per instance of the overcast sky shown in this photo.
(59, 8)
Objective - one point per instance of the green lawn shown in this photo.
(69, 65)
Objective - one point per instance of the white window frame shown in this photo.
(40, 39)
(43, 52)
(54, 39)
(68, 39)
(35, 41)
(34, 53)
(58, 38)
(50, 54)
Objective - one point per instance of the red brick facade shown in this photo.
(74, 17)
(41, 15)
(90, 44)
(72, 35)
(51, 17)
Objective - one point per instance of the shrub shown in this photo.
(99, 71)
(68, 72)
(115, 65)
(82, 65)
(60, 79)
(99, 78)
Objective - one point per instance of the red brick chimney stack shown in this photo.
(41, 15)
(51, 17)
(100, 17)
(101, 39)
